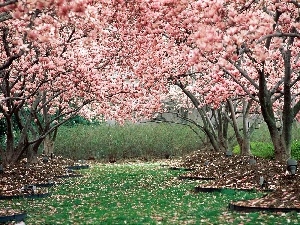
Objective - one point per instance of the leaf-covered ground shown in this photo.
(14, 178)
(240, 172)
(138, 193)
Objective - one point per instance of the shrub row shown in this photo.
(148, 140)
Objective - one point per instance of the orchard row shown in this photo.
(126, 60)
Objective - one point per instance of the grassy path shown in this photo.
(139, 194)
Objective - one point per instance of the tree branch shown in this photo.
(296, 3)
(71, 113)
(5, 16)
(5, 42)
(275, 88)
(8, 2)
(244, 73)
(296, 109)
(10, 60)
(246, 6)
(278, 34)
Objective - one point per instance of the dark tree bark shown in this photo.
(215, 126)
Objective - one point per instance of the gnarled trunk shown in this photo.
(49, 142)
(48, 145)
(32, 152)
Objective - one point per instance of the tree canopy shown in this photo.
(119, 59)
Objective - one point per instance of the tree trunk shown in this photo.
(49, 142)
(9, 151)
(278, 143)
(287, 112)
(215, 128)
(222, 127)
(245, 150)
(212, 139)
(14, 156)
(242, 140)
(14, 151)
(32, 152)
(48, 145)
(31, 156)
(281, 136)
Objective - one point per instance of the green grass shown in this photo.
(261, 144)
(259, 149)
(139, 194)
(266, 150)
(148, 140)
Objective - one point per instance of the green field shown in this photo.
(142, 193)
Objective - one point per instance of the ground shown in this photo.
(241, 172)
(235, 172)
(13, 179)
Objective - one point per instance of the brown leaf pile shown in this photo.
(15, 177)
(239, 172)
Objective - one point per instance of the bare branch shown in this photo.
(13, 98)
(295, 81)
(8, 2)
(68, 41)
(296, 109)
(5, 16)
(244, 73)
(10, 60)
(246, 6)
(275, 88)
(278, 34)
(69, 113)
(5, 42)
(49, 100)
(184, 124)
(296, 3)
(240, 84)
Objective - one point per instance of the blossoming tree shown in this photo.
(59, 61)
(252, 43)
(171, 58)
